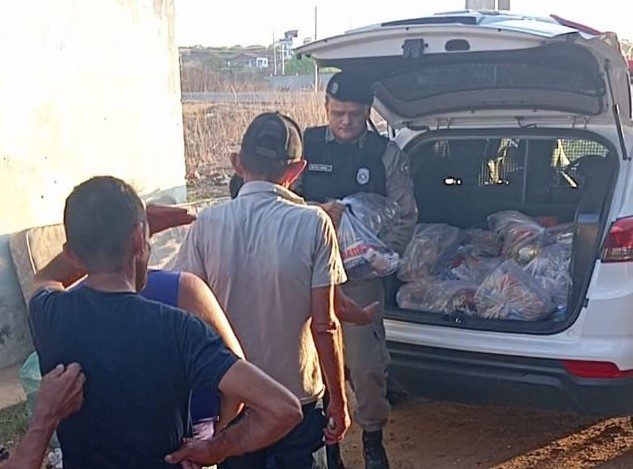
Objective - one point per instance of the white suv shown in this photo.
(504, 112)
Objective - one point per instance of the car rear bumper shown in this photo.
(481, 378)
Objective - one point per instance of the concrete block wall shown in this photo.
(86, 88)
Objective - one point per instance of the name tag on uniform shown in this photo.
(322, 168)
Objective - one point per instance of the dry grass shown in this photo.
(13, 423)
(203, 79)
(212, 131)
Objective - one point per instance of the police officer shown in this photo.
(344, 158)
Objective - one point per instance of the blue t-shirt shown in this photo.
(164, 286)
(141, 359)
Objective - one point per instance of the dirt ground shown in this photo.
(444, 435)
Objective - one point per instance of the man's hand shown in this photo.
(338, 422)
(162, 217)
(60, 394)
(193, 453)
(347, 310)
(271, 412)
(334, 210)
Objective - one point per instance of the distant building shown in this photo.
(245, 60)
(488, 5)
(285, 44)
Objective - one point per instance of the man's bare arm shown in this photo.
(58, 274)
(347, 310)
(327, 335)
(60, 394)
(196, 297)
(272, 411)
(63, 271)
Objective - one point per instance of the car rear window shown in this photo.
(460, 181)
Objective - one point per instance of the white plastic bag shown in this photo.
(551, 270)
(438, 296)
(485, 243)
(374, 211)
(521, 235)
(364, 255)
(510, 293)
(430, 251)
(471, 264)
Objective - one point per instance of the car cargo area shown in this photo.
(509, 228)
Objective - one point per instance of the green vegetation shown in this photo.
(297, 66)
(13, 423)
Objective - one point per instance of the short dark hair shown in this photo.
(99, 217)
(271, 142)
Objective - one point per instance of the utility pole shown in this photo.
(283, 58)
(316, 67)
(274, 54)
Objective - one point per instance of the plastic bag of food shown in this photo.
(374, 211)
(561, 234)
(456, 297)
(364, 255)
(430, 251)
(551, 270)
(438, 296)
(485, 243)
(412, 295)
(520, 234)
(510, 293)
(526, 251)
(503, 222)
(471, 264)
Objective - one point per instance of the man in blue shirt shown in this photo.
(141, 358)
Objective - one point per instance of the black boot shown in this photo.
(374, 451)
(334, 460)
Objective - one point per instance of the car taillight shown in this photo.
(590, 369)
(619, 244)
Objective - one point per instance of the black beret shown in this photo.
(346, 86)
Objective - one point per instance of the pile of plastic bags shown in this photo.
(517, 270)
(365, 221)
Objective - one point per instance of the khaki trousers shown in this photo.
(366, 357)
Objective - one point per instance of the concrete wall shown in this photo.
(86, 88)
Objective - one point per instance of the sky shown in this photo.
(247, 22)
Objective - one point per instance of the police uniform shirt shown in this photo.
(397, 187)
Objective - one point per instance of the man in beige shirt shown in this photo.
(273, 263)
